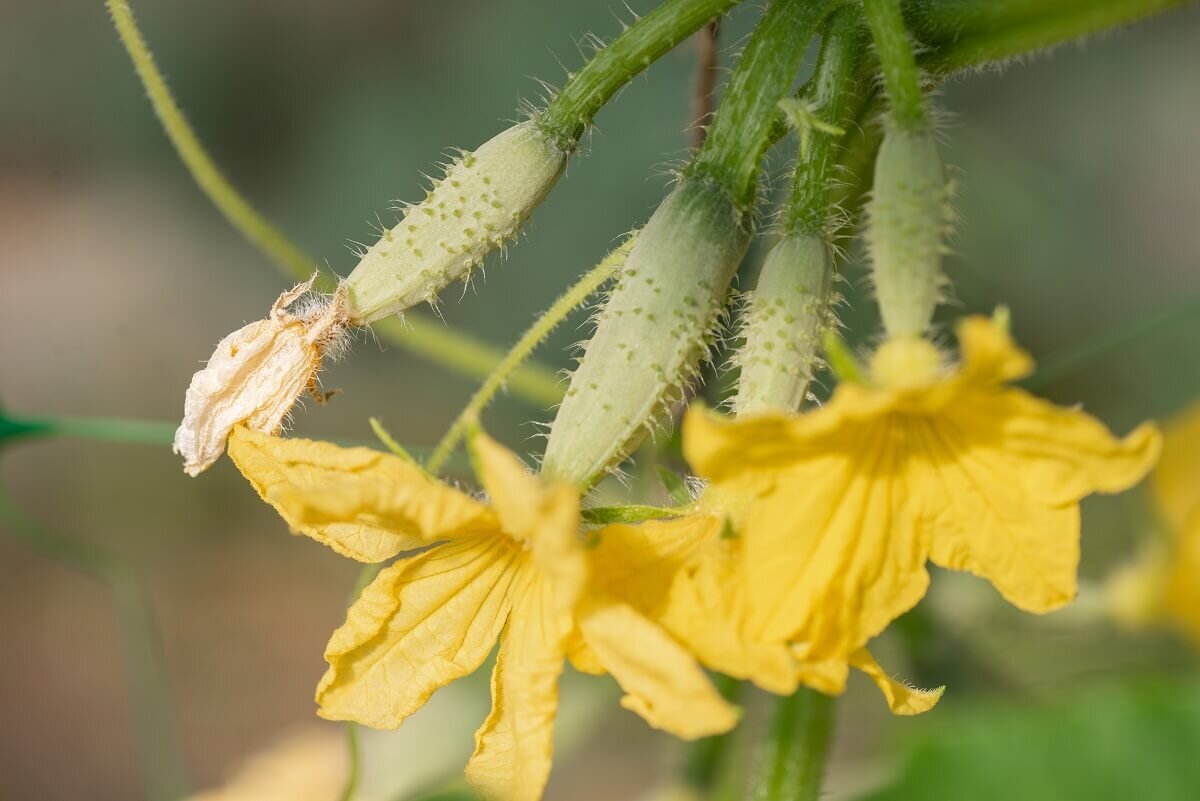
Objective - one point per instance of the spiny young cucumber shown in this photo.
(652, 333)
(783, 323)
(908, 216)
(480, 204)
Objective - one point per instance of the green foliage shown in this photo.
(1112, 744)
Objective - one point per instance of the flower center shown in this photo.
(906, 363)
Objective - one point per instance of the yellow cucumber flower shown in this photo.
(925, 461)
(686, 573)
(1163, 583)
(514, 569)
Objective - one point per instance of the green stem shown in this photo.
(163, 768)
(741, 130)
(793, 758)
(103, 429)
(427, 338)
(354, 773)
(704, 758)
(558, 311)
(961, 34)
(895, 49)
(644, 42)
(831, 93)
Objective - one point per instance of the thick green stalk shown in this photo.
(793, 757)
(642, 43)
(431, 340)
(704, 759)
(832, 91)
(900, 77)
(741, 130)
(960, 34)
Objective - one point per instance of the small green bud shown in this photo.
(783, 323)
(908, 217)
(652, 333)
(483, 200)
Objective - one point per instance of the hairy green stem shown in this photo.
(793, 756)
(164, 771)
(832, 90)
(533, 336)
(900, 77)
(960, 34)
(645, 41)
(426, 338)
(741, 130)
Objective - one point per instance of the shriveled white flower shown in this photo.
(258, 372)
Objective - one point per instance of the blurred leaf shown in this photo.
(1114, 744)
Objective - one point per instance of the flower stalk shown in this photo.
(571, 111)
(794, 752)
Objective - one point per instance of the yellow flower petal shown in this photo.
(989, 356)
(513, 749)
(1177, 479)
(662, 681)
(422, 623)
(828, 677)
(543, 517)
(636, 563)
(1059, 455)
(835, 553)
(722, 450)
(981, 520)
(706, 611)
(901, 699)
(362, 503)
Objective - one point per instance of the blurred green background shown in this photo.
(1079, 189)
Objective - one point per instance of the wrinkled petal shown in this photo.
(1177, 479)
(362, 503)
(543, 517)
(706, 611)
(828, 677)
(256, 374)
(636, 563)
(1059, 455)
(835, 553)
(901, 699)
(422, 623)
(662, 681)
(981, 520)
(514, 747)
